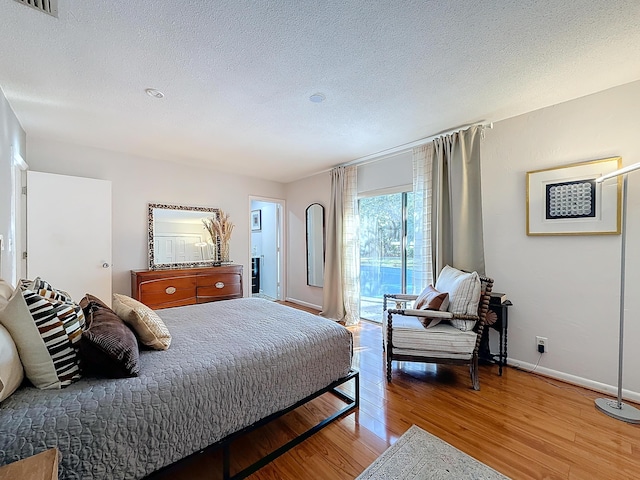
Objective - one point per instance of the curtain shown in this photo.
(341, 292)
(422, 207)
(456, 222)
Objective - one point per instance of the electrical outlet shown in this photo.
(542, 344)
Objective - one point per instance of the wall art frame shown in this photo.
(566, 200)
(256, 220)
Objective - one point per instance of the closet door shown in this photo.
(69, 233)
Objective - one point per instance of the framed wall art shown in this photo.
(256, 220)
(566, 200)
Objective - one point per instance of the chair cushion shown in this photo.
(441, 341)
(464, 291)
(432, 299)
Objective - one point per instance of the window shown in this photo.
(386, 249)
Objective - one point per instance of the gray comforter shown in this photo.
(230, 364)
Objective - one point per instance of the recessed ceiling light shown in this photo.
(317, 97)
(152, 92)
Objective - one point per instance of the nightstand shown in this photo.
(43, 466)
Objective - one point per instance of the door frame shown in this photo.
(281, 219)
(18, 236)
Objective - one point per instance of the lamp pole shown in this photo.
(617, 409)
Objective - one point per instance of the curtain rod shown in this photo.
(373, 157)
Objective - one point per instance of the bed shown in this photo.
(231, 365)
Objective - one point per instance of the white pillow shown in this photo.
(11, 371)
(6, 291)
(464, 291)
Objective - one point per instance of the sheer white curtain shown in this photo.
(422, 207)
(341, 292)
(456, 222)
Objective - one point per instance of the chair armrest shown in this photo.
(398, 298)
(424, 313)
(402, 296)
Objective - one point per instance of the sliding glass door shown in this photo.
(386, 249)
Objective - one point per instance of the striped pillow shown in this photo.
(46, 332)
(44, 289)
(464, 294)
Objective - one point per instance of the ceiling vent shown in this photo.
(46, 6)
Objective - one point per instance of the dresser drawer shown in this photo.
(223, 285)
(186, 286)
(168, 292)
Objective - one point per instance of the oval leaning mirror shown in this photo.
(314, 216)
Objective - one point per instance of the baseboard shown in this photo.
(304, 304)
(574, 380)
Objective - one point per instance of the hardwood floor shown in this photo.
(523, 425)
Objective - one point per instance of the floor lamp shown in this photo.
(615, 408)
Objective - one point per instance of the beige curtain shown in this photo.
(456, 223)
(422, 208)
(341, 292)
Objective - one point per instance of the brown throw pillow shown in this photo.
(431, 299)
(108, 348)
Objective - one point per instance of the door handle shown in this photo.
(105, 265)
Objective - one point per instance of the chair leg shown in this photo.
(473, 369)
(388, 365)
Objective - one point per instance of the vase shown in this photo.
(224, 252)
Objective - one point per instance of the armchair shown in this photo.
(406, 339)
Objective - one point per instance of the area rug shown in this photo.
(418, 455)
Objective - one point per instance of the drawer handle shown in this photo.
(219, 285)
(170, 290)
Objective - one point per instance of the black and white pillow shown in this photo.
(47, 331)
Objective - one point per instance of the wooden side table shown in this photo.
(502, 326)
(43, 466)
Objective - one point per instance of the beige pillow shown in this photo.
(149, 327)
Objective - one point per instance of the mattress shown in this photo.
(230, 364)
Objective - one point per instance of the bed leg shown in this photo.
(226, 464)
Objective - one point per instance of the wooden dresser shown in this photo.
(176, 287)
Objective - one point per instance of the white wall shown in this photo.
(301, 194)
(138, 181)
(11, 137)
(565, 288)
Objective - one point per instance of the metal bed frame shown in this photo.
(352, 402)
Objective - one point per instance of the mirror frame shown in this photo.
(159, 266)
(306, 223)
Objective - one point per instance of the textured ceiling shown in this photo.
(237, 74)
